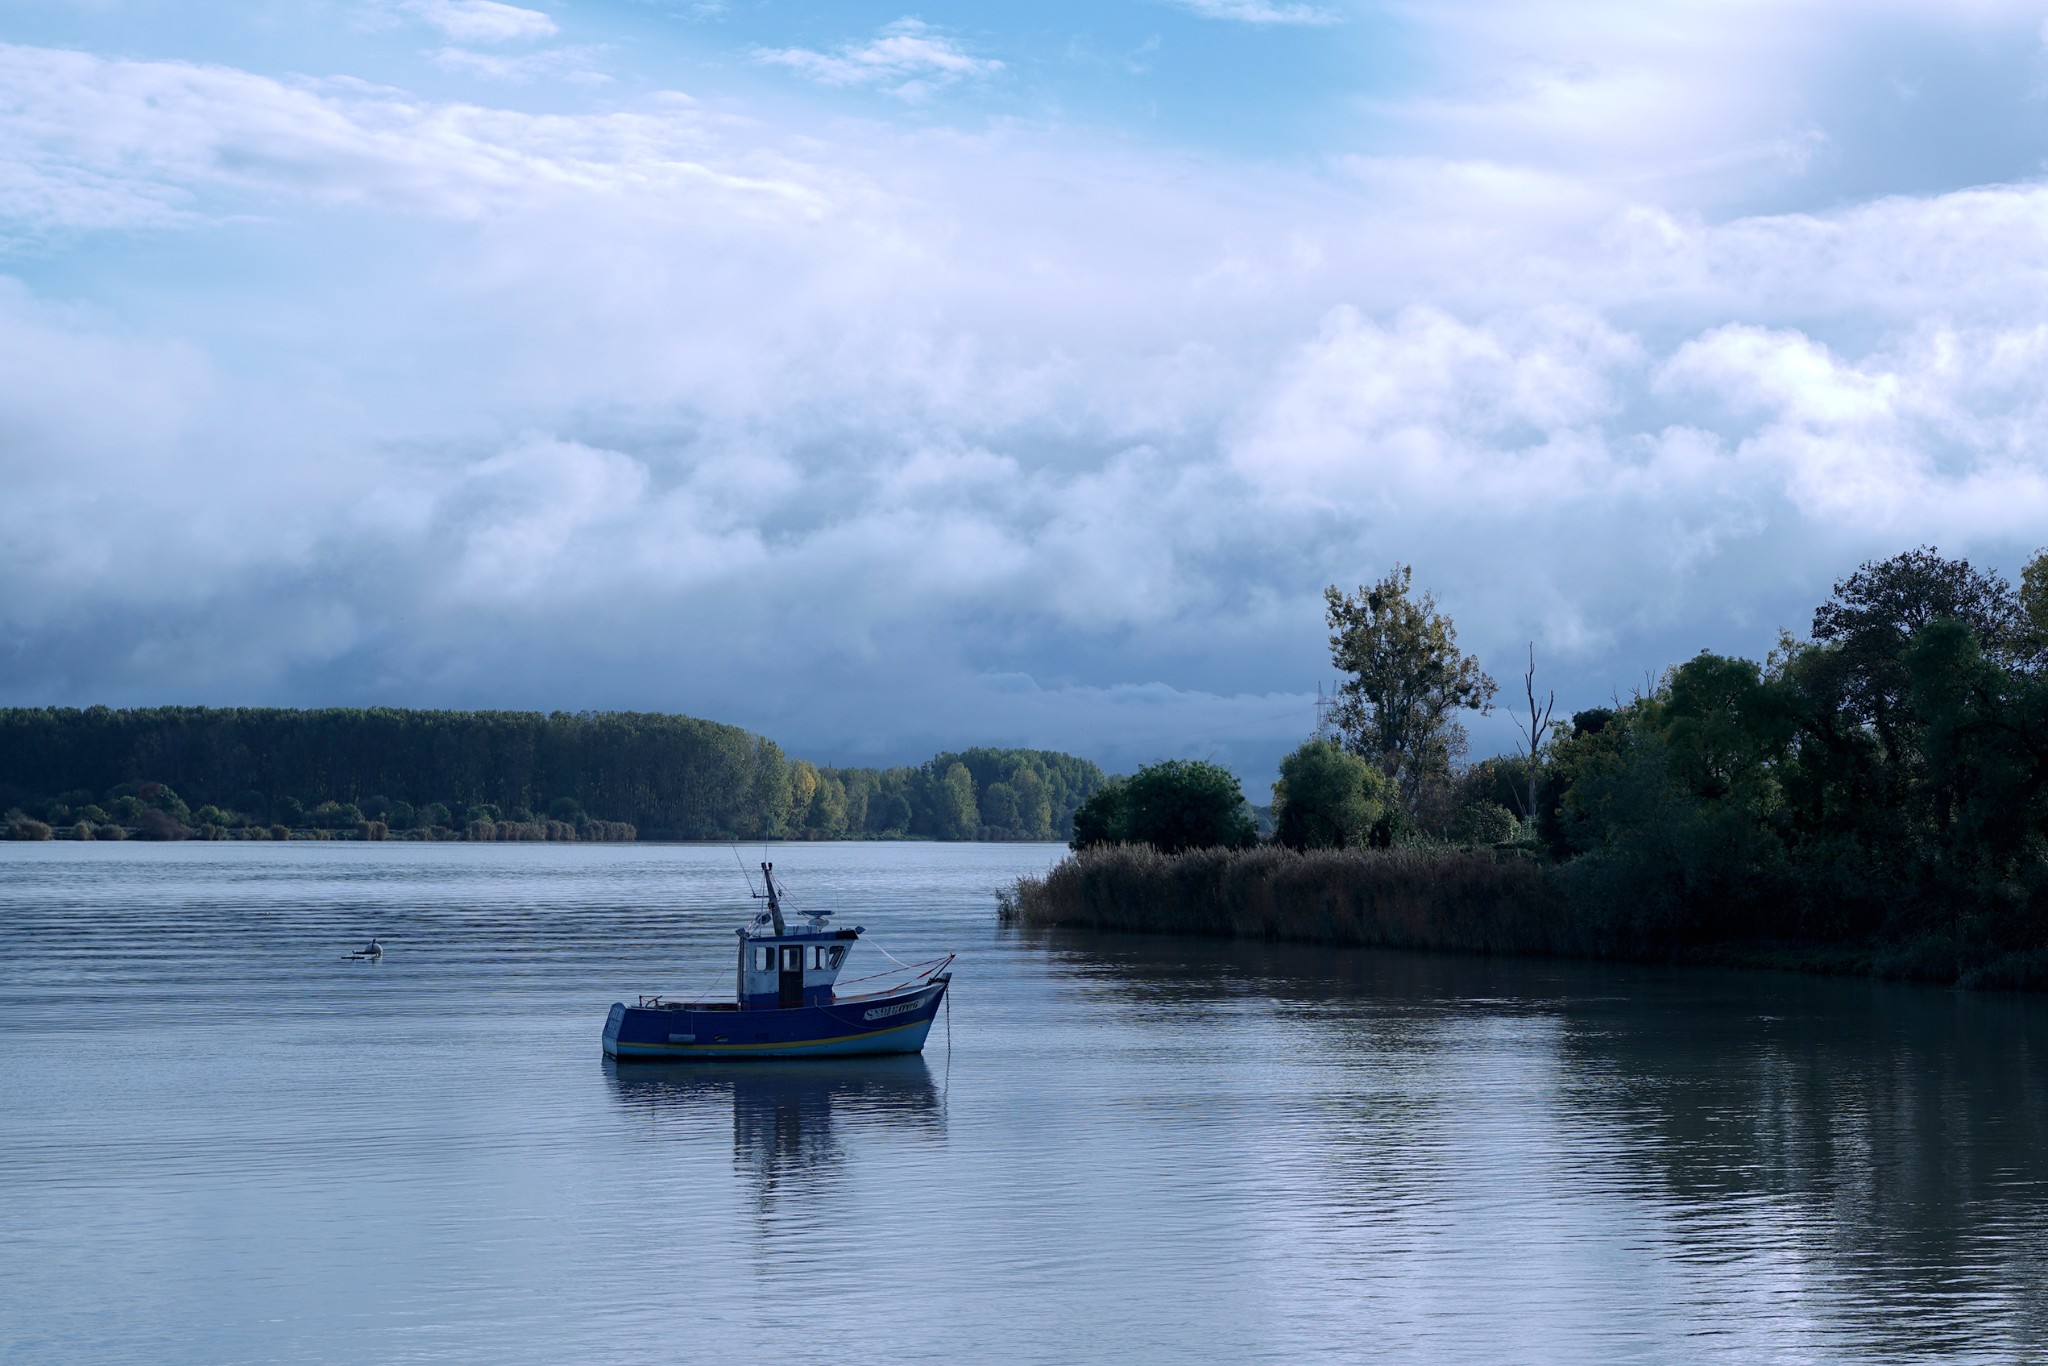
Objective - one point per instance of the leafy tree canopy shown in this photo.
(1328, 798)
(1174, 806)
(666, 776)
(1406, 681)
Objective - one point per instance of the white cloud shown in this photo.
(1258, 11)
(573, 64)
(1744, 103)
(1494, 414)
(485, 21)
(942, 435)
(908, 58)
(1937, 434)
(95, 143)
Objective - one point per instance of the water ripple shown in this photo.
(220, 1141)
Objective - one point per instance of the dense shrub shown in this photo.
(22, 826)
(1404, 898)
(153, 824)
(1329, 799)
(1173, 806)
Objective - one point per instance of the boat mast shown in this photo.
(774, 903)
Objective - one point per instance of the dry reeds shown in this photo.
(1463, 900)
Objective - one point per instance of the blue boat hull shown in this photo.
(871, 1025)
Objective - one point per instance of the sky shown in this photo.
(887, 379)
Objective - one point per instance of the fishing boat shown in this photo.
(786, 1000)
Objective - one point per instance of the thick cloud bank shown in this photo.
(880, 436)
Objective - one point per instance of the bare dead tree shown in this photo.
(1538, 725)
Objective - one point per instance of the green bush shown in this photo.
(334, 816)
(153, 824)
(1328, 799)
(1173, 806)
(1483, 823)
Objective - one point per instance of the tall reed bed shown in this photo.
(1461, 900)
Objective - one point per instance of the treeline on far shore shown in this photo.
(388, 773)
(1873, 797)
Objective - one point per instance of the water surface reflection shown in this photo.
(795, 1123)
(1861, 1163)
(221, 1143)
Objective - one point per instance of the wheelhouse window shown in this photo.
(835, 955)
(764, 959)
(792, 958)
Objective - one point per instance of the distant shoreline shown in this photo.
(493, 776)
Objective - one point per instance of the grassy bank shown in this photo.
(1443, 899)
(1466, 901)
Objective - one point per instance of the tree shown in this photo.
(890, 814)
(346, 815)
(1327, 798)
(669, 776)
(1875, 614)
(1407, 678)
(1184, 804)
(1482, 823)
(1103, 818)
(999, 810)
(955, 812)
(1532, 733)
(857, 784)
(1034, 804)
(2034, 601)
(803, 788)
(826, 819)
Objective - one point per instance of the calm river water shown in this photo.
(220, 1142)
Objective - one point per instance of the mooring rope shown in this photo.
(942, 960)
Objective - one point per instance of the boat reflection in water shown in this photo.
(793, 1122)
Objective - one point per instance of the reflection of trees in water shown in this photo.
(1895, 1138)
(1193, 970)
(1886, 1145)
(791, 1119)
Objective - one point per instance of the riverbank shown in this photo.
(1446, 900)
